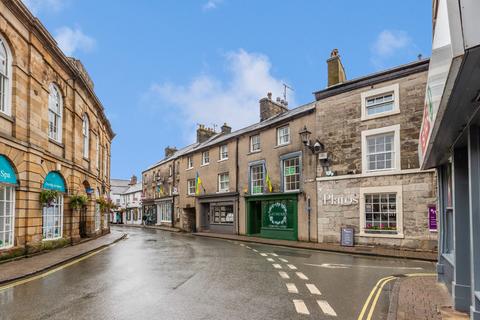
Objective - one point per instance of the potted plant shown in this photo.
(47, 197)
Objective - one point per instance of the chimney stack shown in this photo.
(133, 180)
(336, 72)
(226, 129)
(270, 108)
(204, 133)
(169, 151)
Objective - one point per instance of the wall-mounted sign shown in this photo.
(7, 174)
(277, 214)
(89, 190)
(432, 217)
(339, 200)
(54, 181)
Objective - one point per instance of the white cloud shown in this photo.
(389, 41)
(209, 100)
(72, 40)
(211, 4)
(37, 6)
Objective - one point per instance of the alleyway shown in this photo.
(155, 274)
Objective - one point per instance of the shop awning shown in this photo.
(7, 174)
(54, 181)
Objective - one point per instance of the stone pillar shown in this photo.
(474, 187)
(461, 224)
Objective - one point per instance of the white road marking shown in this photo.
(255, 250)
(248, 247)
(283, 260)
(313, 289)
(263, 254)
(326, 308)
(270, 260)
(277, 266)
(274, 254)
(300, 306)
(292, 288)
(242, 244)
(345, 266)
(284, 275)
(291, 266)
(301, 276)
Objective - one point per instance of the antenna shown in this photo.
(285, 87)
(215, 127)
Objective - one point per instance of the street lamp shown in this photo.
(305, 135)
(317, 147)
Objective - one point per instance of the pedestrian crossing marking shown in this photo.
(326, 308)
(292, 288)
(283, 260)
(300, 306)
(313, 289)
(302, 276)
(291, 266)
(263, 254)
(270, 260)
(284, 275)
(277, 266)
(274, 254)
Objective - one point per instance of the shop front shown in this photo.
(273, 216)
(164, 211)
(218, 213)
(149, 213)
(52, 212)
(8, 183)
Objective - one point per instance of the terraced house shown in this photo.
(54, 135)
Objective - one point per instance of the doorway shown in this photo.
(255, 217)
(83, 222)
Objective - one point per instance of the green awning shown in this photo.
(7, 174)
(54, 181)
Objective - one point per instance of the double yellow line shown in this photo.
(377, 290)
(50, 271)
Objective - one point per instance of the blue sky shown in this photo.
(161, 67)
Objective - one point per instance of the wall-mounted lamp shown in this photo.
(316, 147)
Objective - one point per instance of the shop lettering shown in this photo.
(5, 175)
(277, 214)
(340, 200)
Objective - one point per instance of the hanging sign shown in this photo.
(432, 217)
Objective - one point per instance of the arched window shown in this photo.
(8, 181)
(55, 108)
(5, 77)
(86, 136)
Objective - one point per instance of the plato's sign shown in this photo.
(339, 200)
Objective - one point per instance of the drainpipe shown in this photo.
(237, 186)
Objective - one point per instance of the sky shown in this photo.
(161, 68)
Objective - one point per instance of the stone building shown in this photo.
(54, 136)
(368, 174)
(132, 212)
(117, 188)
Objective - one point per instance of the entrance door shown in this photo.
(83, 223)
(255, 217)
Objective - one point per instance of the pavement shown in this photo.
(26, 267)
(364, 250)
(155, 274)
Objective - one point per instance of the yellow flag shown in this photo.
(269, 183)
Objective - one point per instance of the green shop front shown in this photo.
(273, 216)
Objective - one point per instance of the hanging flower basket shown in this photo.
(47, 197)
(78, 201)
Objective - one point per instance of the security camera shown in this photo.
(317, 147)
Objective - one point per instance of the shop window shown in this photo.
(380, 102)
(52, 214)
(165, 211)
(191, 187)
(223, 182)
(7, 215)
(255, 143)
(5, 77)
(205, 158)
(283, 135)
(381, 149)
(447, 197)
(257, 179)
(222, 214)
(381, 211)
(291, 174)
(223, 152)
(55, 108)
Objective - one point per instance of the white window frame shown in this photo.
(189, 186)
(395, 129)
(399, 210)
(55, 113)
(380, 92)
(189, 162)
(58, 204)
(224, 181)
(205, 158)
(11, 205)
(86, 136)
(223, 152)
(6, 95)
(255, 144)
(250, 168)
(280, 135)
(284, 177)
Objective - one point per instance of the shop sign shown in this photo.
(7, 174)
(340, 200)
(432, 218)
(277, 214)
(347, 237)
(54, 181)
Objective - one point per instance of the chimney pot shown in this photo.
(204, 133)
(269, 95)
(270, 108)
(226, 128)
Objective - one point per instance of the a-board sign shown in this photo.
(347, 237)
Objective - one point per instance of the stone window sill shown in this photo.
(282, 145)
(56, 143)
(379, 235)
(7, 117)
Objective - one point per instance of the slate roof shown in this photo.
(134, 188)
(118, 186)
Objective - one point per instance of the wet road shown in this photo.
(156, 274)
